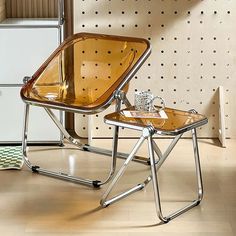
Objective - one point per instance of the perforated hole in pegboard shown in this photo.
(193, 48)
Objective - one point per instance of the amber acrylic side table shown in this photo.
(176, 125)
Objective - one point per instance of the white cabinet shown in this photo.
(22, 51)
(41, 127)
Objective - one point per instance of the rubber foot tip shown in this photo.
(35, 169)
(85, 147)
(96, 183)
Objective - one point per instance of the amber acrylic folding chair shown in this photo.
(84, 75)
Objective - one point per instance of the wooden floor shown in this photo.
(32, 204)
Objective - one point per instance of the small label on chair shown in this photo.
(143, 114)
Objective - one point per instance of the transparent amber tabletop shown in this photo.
(85, 71)
(177, 121)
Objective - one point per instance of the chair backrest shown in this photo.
(85, 71)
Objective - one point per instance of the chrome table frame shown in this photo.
(155, 164)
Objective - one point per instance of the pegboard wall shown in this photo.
(193, 53)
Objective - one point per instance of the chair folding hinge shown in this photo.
(193, 111)
(119, 94)
(26, 79)
(148, 131)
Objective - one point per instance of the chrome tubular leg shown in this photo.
(121, 155)
(114, 154)
(155, 181)
(67, 177)
(114, 147)
(157, 151)
(63, 130)
(126, 101)
(104, 202)
(120, 97)
(64, 176)
(163, 157)
(198, 165)
(25, 136)
(38, 169)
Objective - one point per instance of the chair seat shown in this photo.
(85, 71)
(178, 121)
(61, 96)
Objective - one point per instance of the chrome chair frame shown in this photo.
(118, 96)
(80, 146)
(155, 164)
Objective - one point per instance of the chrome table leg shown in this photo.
(198, 165)
(104, 202)
(154, 168)
(155, 181)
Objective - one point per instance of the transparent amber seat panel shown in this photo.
(85, 71)
(178, 121)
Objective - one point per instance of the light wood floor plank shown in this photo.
(32, 204)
